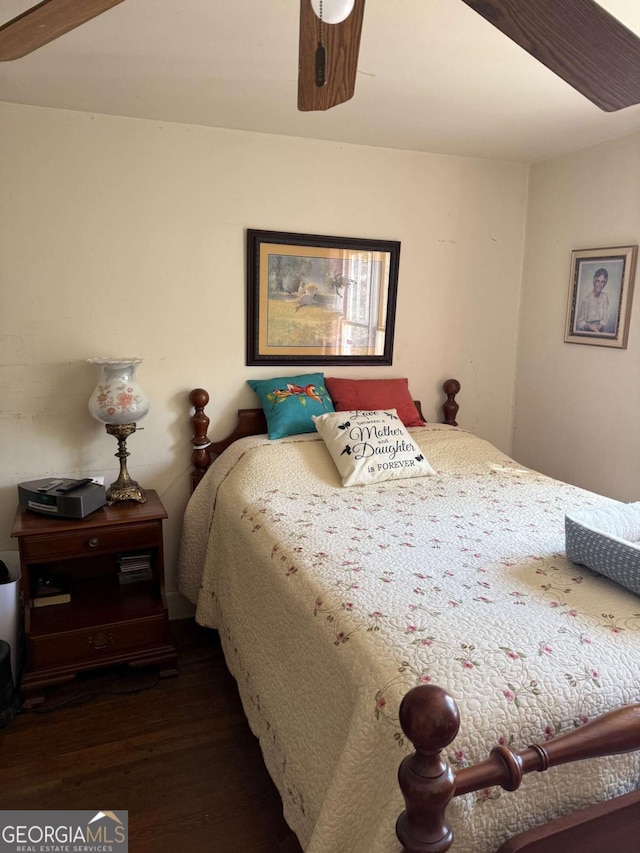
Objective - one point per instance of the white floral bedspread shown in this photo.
(331, 603)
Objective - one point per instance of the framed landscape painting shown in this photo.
(320, 300)
(600, 291)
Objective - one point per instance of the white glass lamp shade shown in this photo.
(333, 11)
(118, 398)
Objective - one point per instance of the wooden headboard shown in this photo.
(253, 422)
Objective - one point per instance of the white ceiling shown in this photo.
(433, 76)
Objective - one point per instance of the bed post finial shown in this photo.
(199, 424)
(430, 719)
(450, 408)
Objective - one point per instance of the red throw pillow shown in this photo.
(372, 394)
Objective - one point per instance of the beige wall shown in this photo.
(578, 406)
(126, 237)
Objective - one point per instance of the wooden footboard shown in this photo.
(253, 422)
(430, 719)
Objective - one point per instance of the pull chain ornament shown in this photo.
(321, 54)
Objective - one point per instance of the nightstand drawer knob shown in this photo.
(100, 641)
(93, 542)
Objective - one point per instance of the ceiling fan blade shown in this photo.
(342, 44)
(45, 22)
(578, 40)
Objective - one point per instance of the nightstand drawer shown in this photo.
(117, 641)
(96, 541)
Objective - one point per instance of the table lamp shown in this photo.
(119, 402)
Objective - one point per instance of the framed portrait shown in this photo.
(600, 292)
(320, 300)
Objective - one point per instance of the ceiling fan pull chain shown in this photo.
(321, 54)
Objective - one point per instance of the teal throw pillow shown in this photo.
(290, 401)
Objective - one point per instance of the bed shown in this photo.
(426, 622)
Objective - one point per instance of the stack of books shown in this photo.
(51, 589)
(133, 568)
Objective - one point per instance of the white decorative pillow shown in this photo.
(368, 447)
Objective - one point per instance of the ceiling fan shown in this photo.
(577, 39)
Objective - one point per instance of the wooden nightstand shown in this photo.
(107, 621)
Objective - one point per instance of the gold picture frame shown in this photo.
(600, 293)
(315, 300)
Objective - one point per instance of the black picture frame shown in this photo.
(319, 300)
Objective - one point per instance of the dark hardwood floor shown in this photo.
(176, 753)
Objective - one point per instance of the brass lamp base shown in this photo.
(124, 488)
